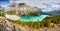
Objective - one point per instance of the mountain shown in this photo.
(21, 8)
(54, 12)
(0, 6)
(39, 9)
(51, 10)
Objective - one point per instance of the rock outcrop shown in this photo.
(5, 25)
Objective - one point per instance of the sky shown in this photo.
(4, 2)
(47, 4)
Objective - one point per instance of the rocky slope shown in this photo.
(5, 25)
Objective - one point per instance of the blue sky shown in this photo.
(47, 4)
(4, 2)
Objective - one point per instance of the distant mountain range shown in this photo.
(54, 12)
(2, 8)
(51, 12)
(51, 9)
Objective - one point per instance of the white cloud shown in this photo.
(56, 6)
(37, 3)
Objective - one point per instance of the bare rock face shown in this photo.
(21, 8)
(5, 25)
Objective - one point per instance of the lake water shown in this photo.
(32, 18)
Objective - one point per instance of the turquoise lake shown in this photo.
(32, 18)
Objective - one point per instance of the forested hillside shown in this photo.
(45, 23)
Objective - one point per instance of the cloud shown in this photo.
(56, 6)
(37, 3)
